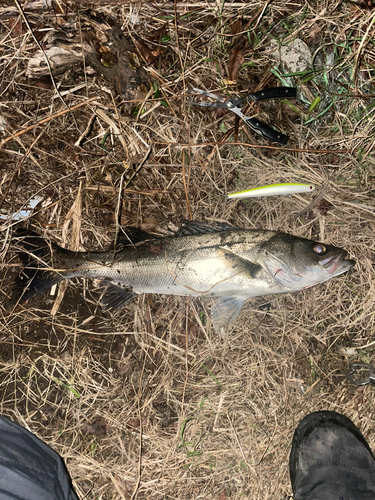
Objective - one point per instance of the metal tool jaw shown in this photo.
(235, 104)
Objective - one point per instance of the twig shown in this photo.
(86, 132)
(185, 184)
(43, 51)
(145, 158)
(135, 492)
(314, 202)
(118, 215)
(45, 120)
(10, 182)
(364, 41)
(255, 146)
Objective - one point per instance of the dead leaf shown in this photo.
(60, 21)
(61, 7)
(236, 27)
(134, 423)
(74, 216)
(236, 59)
(156, 52)
(95, 427)
(324, 206)
(364, 4)
(17, 26)
(149, 223)
(145, 53)
(238, 48)
(44, 83)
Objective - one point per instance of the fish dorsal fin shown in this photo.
(131, 235)
(225, 310)
(115, 296)
(190, 228)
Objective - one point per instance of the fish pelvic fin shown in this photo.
(225, 310)
(36, 255)
(115, 295)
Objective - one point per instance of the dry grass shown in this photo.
(149, 402)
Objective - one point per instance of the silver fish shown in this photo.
(218, 261)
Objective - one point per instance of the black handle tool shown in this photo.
(236, 103)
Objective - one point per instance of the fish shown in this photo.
(218, 261)
(285, 189)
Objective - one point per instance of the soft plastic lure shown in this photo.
(273, 190)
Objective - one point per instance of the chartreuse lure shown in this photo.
(273, 190)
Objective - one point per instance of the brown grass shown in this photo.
(149, 402)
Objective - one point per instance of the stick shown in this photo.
(45, 120)
(255, 146)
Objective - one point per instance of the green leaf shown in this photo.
(212, 375)
(223, 128)
(194, 453)
(67, 386)
(292, 107)
(183, 426)
(314, 104)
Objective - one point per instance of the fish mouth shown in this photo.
(337, 264)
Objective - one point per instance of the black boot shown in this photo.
(331, 460)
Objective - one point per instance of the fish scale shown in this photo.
(218, 261)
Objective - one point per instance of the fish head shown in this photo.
(298, 263)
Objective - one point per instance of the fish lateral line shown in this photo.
(204, 292)
(214, 267)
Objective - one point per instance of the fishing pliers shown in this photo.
(357, 369)
(236, 103)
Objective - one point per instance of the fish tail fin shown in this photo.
(38, 258)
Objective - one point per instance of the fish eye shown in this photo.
(320, 249)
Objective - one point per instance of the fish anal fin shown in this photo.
(225, 310)
(240, 265)
(115, 296)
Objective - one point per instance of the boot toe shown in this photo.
(330, 458)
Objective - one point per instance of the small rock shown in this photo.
(294, 57)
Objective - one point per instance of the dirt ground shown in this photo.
(148, 401)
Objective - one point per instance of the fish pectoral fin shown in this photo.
(225, 310)
(240, 265)
(115, 296)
